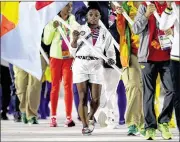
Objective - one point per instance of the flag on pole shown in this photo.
(21, 42)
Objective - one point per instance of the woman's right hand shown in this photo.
(75, 35)
(55, 24)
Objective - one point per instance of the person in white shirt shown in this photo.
(169, 18)
(87, 67)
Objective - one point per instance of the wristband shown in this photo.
(168, 11)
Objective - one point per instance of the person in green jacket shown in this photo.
(60, 64)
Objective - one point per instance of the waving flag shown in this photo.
(21, 41)
(9, 20)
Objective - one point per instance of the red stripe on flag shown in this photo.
(42, 4)
(6, 26)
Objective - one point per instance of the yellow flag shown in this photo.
(10, 10)
(10, 16)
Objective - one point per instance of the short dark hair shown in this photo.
(93, 5)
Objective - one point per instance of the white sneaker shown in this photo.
(91, 125)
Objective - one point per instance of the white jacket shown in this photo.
(168, 19)
(104, 42)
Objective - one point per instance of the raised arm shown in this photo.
(141, 19)
(168, 18)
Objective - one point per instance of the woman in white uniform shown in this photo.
(87, 67)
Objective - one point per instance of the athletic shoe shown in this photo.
(150, 134)
(164, 129)
(132, 130)
(53, 122)
(86, 131)
(69, 123)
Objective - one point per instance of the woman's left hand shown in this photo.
(110, 62)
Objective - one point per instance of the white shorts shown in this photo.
(90, 70)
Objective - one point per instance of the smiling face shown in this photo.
(93, 17)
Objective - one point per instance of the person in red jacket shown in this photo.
(154, 58)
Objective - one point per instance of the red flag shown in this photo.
(42, 4)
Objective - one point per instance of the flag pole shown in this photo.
(59, 19)
(65, 38)
(131, 22)
(114, 41)
(44, 55)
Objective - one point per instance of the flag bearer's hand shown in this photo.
(110, 62)
(76, 35)
(55, 24)
(150, 9)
